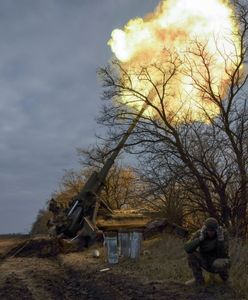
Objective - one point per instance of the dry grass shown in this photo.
(163, 258)
(239, 273)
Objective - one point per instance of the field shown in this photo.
(160, 273)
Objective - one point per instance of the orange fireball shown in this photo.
(182, 27)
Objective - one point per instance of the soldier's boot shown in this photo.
(194, 282)
(194, 264)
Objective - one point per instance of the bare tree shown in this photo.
(162, 130)
(208, 159)
(232, 104)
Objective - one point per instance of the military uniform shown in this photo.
(209, 253)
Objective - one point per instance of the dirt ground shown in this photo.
(81, 276)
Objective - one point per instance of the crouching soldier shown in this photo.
(208, 249)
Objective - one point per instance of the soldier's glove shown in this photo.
(220, 234)
(202, 233)
(221, 264)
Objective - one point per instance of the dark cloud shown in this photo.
(49, 93)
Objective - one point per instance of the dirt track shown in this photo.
(78, 276)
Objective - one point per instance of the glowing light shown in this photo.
(173, 26)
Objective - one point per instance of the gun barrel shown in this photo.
(85, 203)
(105, 169)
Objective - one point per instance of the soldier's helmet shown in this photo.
(211, 223)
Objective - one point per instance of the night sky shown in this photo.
(50, 51)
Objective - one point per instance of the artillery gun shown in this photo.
(80, 218)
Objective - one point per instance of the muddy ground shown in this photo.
(81, 276)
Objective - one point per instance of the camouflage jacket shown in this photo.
(209, 246)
